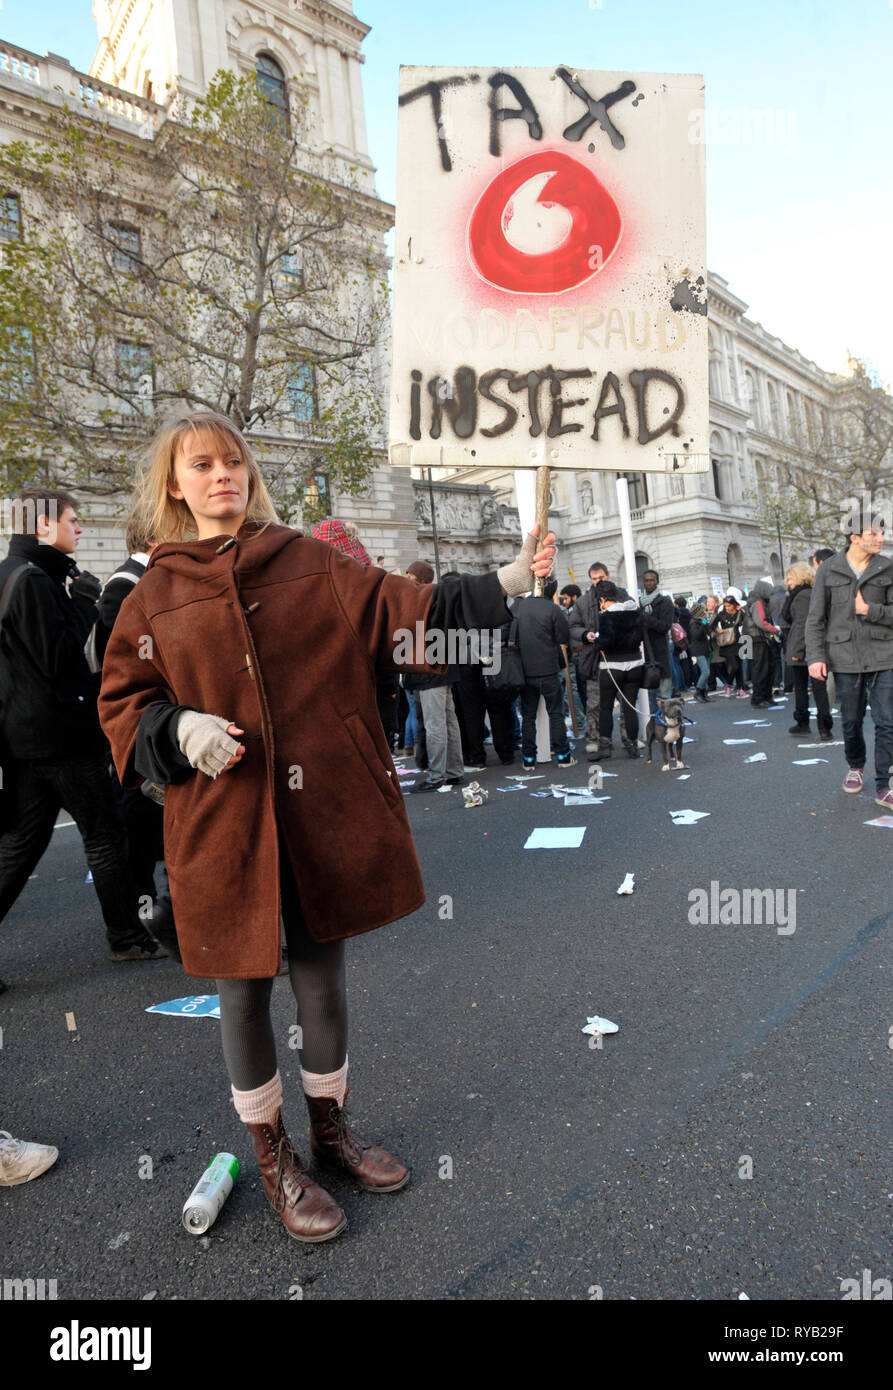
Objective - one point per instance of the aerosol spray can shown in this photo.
(209, 1194)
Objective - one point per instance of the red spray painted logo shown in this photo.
(544, 225)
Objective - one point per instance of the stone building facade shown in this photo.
(149, 53)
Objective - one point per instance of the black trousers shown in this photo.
(628, 683)
(550, 689)
(84, 787)
(500, 713)
(761, 688)
(801, 678)
(470, 699)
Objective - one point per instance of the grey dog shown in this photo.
(669, 731)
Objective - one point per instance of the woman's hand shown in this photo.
(208, 742)
(515, 578)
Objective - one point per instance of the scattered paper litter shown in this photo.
(513, 789)
(525, 776)
(832, 743)
(597, 1025)
(574, 799)
(886, 822)
(89, 878)
(760, 723)
(739, 740)
(190, 1006)
(756, 758)
(556, 837)
(474, 795)
(547, 795)
(808, 762)
(743, 1295)
(687, 817)
(683, 777)
(442, 790)
(406, 772)
(628, 884)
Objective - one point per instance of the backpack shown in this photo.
(91, 651)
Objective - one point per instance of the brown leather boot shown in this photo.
(333, 1144)
(308, 1212)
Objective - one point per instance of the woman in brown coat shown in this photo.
(240, 675)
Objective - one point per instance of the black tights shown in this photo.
(316, 971)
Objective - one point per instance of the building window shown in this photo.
(271, 80)
(302, 393)
(17, 367)
(717, 475)
(715, 372)
(774, 417)
(136, 373)
(126, 249)
(317, 498)
(10, 217)
(752, 399)
(292, 267)
(638, 490)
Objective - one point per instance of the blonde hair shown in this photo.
(800, 574)
(168, 518)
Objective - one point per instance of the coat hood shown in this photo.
(192, 558)
(761, 590)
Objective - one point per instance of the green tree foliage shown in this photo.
(226, 263)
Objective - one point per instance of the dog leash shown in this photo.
(658, 714)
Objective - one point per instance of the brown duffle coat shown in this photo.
(281, 635)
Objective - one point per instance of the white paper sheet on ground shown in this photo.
(510, 789)
(546, 794)
(885, 821)
(739, 740)
(89, 878)
(190, 1006)
(808, 762)
(832, 743)
(575, 799)
(760, 723)
(756, 758)
(687, 817)
(524, 776)
(683, 777)
(628, 884)
(556, 837)
(597, 1025)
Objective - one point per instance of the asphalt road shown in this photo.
(543, 1167)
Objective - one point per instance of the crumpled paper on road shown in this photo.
(474, 795)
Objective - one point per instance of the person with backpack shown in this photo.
(54, 752)
(764, 635)
(725, 629)
(143, 807)
(800, 580)
(621, 666)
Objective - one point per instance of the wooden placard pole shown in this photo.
(541, 511)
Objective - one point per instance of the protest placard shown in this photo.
(550, 300)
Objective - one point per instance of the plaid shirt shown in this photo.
(333, 533)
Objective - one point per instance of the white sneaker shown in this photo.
(21, 1161)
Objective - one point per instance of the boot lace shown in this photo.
(286, 1159)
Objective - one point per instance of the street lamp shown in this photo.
(777, 511)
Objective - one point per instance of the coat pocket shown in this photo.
(365, 746)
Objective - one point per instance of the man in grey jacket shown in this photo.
(849, 630)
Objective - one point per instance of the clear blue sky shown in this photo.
(802, 229)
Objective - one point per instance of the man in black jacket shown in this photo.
(542, 631)
(583, 619)
(657, 616)
(55, 753)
